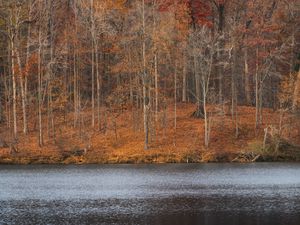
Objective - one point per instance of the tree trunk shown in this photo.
(40, 90)
(8, 92)
(197, 87)
(146, 99)
(261, 86)
(50, 68)
(234, 91)
(130, 80)
(75, 89)
(184, 84)
(27, 54)
(175, 103)
(256, 92)
(220, 70)
(155, 62)
(156, 86)
(220, 79)
(14, 90)
(1, 109)
(247, 80)
(22, 94)
(296, 94)
(93, 61)
(22, 91)
(206, 135)
(98, 85)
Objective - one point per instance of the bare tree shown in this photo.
(204, 48)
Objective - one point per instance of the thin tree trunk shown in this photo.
(23, 95)
(247, 80)
(145, 82)
(234, 91)
(175, 103)
(131, 89)
(296, 94)
(13, 75)
(197, 86)
(93, 61)
(205, 90)
(184, 84)
(261, 102)
(220, 70)
(14, 90)
(75, 89)
(155, 62)
(22, 91)
(220, 78)
(23, 104)
(27, 53)
(1, 109)
(130, 79)
(256, 92)
(50, 67)
(206, 141)
(93, 90)
(98, 85)
(156, 86)
(40, 90)
(8, 92)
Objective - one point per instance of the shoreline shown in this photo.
(147, 159)
(126, 144)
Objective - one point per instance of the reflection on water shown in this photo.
(211, 194)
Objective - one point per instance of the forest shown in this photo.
(143, 81)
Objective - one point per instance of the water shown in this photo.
(183, 194)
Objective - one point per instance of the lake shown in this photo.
(183, 194)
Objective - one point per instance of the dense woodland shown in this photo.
(82, 64)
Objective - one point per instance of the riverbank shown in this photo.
(156, 158)
(122, 140)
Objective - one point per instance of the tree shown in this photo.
(204, 49)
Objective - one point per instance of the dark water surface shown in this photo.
(210, 194)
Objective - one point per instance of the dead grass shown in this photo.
(184, 145)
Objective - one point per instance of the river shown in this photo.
(172, 194)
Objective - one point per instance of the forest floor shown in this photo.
(123, 140)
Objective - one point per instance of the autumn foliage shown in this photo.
(175, 77)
